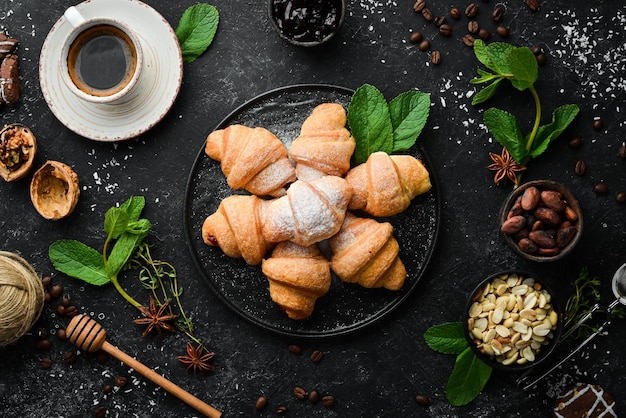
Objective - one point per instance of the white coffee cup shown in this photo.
(101, 59)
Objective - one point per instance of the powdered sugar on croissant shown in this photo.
(309, 213)
(253, 159)
(324, 146)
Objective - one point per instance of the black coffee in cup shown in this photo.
(102, 60)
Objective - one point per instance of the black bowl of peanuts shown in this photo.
(511, 321)
(541, 220)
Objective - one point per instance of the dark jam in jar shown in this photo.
(307, 20)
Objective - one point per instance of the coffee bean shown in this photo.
(56, 291)
(66, 301)
(121, 381)
(445, 29)
(581, 168)
(299, 392)
(502, 30)
(622, 152)
(424, 45)
(416, 37)
(427, 14)
(328, 401)
(440, 20)
(294, 348)
(261, 403)
(533, 5)
(620, 197)
(468, 40)
(43, 345)
(536, 49)
(471, 10)
(455, 13)
(106, 389)
(419, 5)
(61, 310)
(100, 412)
(541, 59)
(314, 396)
(281, 410)
(484, 34)
(46, 281)
(472, 26)
(71, 311)
(575, 142)
(600, 189)
(47, 298)
(598, 124)
(45, 363)
(422, 399)
(497, 13)
(316, 356)
(436, 57)
(69, 357)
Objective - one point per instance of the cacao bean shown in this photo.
(513, 225)
(547, 216)
(565, 235)
(553, 200)
(526, 245)
(530, 198)
(542, 239)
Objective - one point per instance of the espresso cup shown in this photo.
(101, 59)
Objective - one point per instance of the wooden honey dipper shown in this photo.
(88, 335)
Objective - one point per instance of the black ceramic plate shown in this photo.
(346, 307)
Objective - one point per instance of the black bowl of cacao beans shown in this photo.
(511, 321)
(541, 220)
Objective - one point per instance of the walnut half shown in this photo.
(54, 190)
(18, 147)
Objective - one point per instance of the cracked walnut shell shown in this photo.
(18, 147)
(54, 190)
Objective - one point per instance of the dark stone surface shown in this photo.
(376, 372)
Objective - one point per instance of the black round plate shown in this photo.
(346, 307)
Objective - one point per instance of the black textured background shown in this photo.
(376, 372)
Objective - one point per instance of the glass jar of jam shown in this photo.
(307, 22)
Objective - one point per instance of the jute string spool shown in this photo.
(21, 297)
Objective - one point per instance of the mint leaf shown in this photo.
(79, 261)
(486, 93)
(494, 56)
(503, 126)
(122, 251)
(133, 207)
(115, 222)
(142, 226)
(408, 112)
(370, 122)
(469, 377)
(447, 338)
(523, 64)
(561, 119)
(196, 29)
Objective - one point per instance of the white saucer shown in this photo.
(162, 75)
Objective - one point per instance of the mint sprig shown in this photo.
(518, 66)
(125, 233)
(196, 30)
(469, 375)
(388, 127)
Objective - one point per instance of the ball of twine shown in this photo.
(21, 297)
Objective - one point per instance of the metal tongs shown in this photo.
(526, 380)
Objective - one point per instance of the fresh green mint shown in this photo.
(196, 29)
(125, 233)
(388, 127)
(519, 67)
(470, 374)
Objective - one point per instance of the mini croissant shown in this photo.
(309, 213)
(385, 184)
(364, 251)
(253, 159)
(324, 146)
(297, 277)
(236, 228)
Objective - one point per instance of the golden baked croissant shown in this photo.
(324, 146)
(297, 277)
(236, 228)
(251, 158)
(364, 251)
(385, 184)
(309, 213)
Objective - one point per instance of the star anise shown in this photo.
(505, 167)
(156, 319)
(197, 359)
